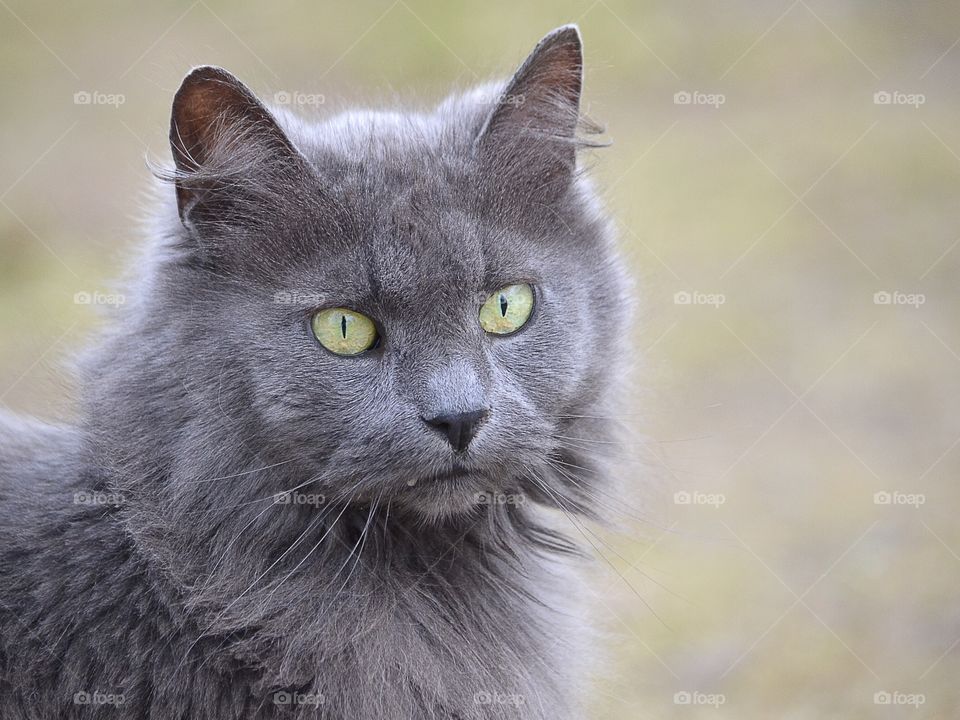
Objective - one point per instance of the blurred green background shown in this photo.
(767, 578)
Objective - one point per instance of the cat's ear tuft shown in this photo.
(218, 127)
(536, 117)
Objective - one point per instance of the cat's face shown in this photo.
(422, 310)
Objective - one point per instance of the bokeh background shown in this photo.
(785, 175)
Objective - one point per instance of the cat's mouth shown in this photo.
(454, 483)
(453, 491)
(456, 472)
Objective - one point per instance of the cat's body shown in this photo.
(147, 569)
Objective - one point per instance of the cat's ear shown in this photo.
(531, 133)
(219, 130)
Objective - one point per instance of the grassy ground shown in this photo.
(779, 401)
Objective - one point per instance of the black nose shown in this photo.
(458, 427)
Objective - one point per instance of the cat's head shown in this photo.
(420, 308)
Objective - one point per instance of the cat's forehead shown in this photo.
(401, 179)
(417, 242)
(408, 186)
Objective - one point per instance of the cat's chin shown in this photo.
(443, 498)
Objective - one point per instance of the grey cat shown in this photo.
(334, 453)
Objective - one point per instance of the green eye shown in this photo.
(507, 310)
(344, 331)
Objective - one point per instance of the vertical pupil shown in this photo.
(343, 326)
(503, 305)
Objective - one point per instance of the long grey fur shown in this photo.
(243, 525)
